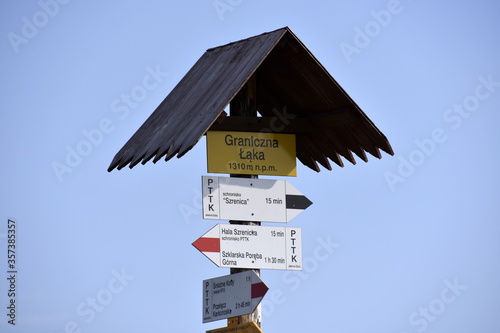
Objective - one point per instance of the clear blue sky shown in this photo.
(409, 243)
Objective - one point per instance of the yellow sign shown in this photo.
(251, 153)
(250, 327)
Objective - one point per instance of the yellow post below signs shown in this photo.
(251, 153)
(250, 327)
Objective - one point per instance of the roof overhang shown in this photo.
(294, 94)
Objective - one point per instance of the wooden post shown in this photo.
(244, 105)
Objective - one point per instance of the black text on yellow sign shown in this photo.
(251, 153)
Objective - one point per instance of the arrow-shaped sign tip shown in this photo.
(259, 289)
(297, 202)
(206, 244)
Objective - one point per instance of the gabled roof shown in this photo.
(291, 87)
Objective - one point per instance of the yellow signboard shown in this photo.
(250, 327)
(251, 153)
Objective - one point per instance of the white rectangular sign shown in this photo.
(247, 199)
(258, 247)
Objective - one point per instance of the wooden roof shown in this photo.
(294, 94)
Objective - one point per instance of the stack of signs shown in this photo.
(248, 199)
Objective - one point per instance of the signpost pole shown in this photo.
(244, 104)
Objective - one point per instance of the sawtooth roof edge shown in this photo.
(331, 125)
(170, 146)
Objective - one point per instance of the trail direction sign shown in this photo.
(256, 247)
(245, 199)
(232, 295)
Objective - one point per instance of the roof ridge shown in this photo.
(286, 28)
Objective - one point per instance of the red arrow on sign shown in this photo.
(206, 244)
(259, 289)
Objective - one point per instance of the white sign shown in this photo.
(247, 199)
(232, 295)
(257, 247)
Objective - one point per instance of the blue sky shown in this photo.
(409, 243)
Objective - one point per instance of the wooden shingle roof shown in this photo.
(294, 94)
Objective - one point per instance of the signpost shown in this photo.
(255, 247)
(232, 295)
(243, 146)
(249, 153)
(247, 199)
